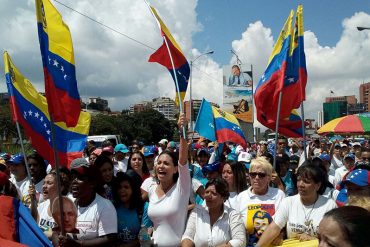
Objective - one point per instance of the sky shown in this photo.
(111, 66)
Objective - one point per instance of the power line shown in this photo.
(104, 25)
(125, 35)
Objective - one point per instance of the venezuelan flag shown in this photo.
(205, 125)
(272, 81)
(227, 127)
(164, 54)
(17, 225)
(30, 109)
(59, 64)
(286, 73)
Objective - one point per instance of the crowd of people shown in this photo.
(199, 194)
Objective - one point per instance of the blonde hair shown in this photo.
(360, 201)
(261, 162)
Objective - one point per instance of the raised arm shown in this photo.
(183, 152)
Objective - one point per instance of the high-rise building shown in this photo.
(350, 99)
(320, 119)
(364, 95)
(166, 106)
(140, 107)
(334, 110)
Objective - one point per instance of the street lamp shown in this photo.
(363, 28)
(190, 86)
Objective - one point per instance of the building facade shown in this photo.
(334, 110)
(364, 95)
(166, 106)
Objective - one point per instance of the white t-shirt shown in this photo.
(120, 166)
(228, 228)
(232, 201)
(169, 212)
(255, 208)
(195, 184)
(335, 163)
(23, 187)
(45, 221)
(339, 174)
(148, 183)
(300, 218)
(96, 220)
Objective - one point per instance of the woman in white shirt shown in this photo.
(168, 200)
(302, 213)
(234, 174)
(216, 224)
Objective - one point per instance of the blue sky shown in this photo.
(225, 20)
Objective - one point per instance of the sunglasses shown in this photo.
(259, 174)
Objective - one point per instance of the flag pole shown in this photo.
(56, 163)
(304, 132)
(173, 66)
(277, 128)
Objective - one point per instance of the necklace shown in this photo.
(307, 220)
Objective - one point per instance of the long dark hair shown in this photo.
(239, 173)
(145, 168)
(135, 200)
(101, 160)
(353, 222)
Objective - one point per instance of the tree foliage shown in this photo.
(148, 126)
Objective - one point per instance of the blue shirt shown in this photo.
(128, 224)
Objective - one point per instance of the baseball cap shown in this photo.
(202, 150)
(356, 144)
(171, 144)
(349, 156)
(163, 142)
(360, 177)
(337, 145)
(149, 150)
(16, 159)
(343, 145)
(121, 148)
(325, 157)
(245, 157)
(80, 165)
(215, 166)
(108, 149)
(97, 151)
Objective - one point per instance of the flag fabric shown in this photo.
(18, 225)
(171, 50)
(286, 73)
(218, 125)
(58, 63)
(227, 127)
(30, 109)
(204, 124)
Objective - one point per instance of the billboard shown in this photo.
(238, 92)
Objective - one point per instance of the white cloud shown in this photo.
(341, 68)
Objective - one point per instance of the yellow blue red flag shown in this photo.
(59, 65)
(164, 54)
(227, 127)
(286, 73)
(30, 109)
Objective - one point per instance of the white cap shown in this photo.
(239, 149)
(245, 157)
(356, 144)
(343, 145)
(163, 142)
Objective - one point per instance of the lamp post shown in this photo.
(190, 86)
(363, 28)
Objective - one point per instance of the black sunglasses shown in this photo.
(260, 174)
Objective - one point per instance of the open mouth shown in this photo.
(161, 173)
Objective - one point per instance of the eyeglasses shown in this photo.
(259, 174)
